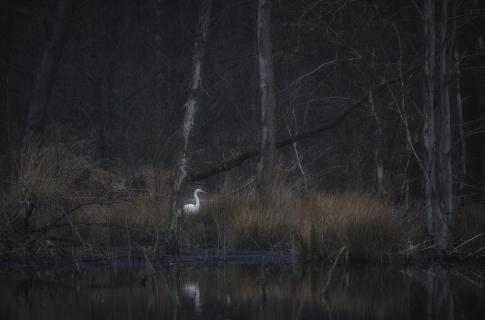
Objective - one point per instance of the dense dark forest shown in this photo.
(313, 125)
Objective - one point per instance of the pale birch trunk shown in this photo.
(445, 177)
(268, 101)
(44, 79)
(190, 106)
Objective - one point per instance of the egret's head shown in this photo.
(199, 190)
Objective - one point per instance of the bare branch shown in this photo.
(240, 159)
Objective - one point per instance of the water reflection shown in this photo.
(192, 290)
(244, 292)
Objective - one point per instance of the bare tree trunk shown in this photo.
(378, 150)
(446, 177)
(379, 136)
(461, 126)
(97, 82)
(268, 101)
(480, 86)
(429, 168)
(44, 79)
(157, 37)
(438, 181)
(190, 106)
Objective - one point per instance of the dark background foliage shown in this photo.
(124, 76)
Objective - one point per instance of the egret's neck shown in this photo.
(197, 201)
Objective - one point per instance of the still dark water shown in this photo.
(244, 292)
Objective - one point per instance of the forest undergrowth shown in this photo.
(56, 200)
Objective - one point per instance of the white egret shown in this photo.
(190, 209)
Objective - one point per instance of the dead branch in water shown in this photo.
(329, 275)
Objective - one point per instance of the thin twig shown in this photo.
(340, 117)
(467, 241)
(475, 252)
(318, 68)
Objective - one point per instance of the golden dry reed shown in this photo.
(55, 193)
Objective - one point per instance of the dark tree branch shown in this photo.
(44, 78)
(239, 160)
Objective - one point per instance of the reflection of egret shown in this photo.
(192, 290)
(190, 208)
(148, 272)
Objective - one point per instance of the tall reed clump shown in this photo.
(137, 214)
(316, 226)
(241, 222)
(258, 226)
(367, 226)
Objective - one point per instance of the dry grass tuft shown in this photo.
(65, 169)
(318, 227)
(238, 222)
(59, 178)
(367, 226)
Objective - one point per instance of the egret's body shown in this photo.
(190, 209)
